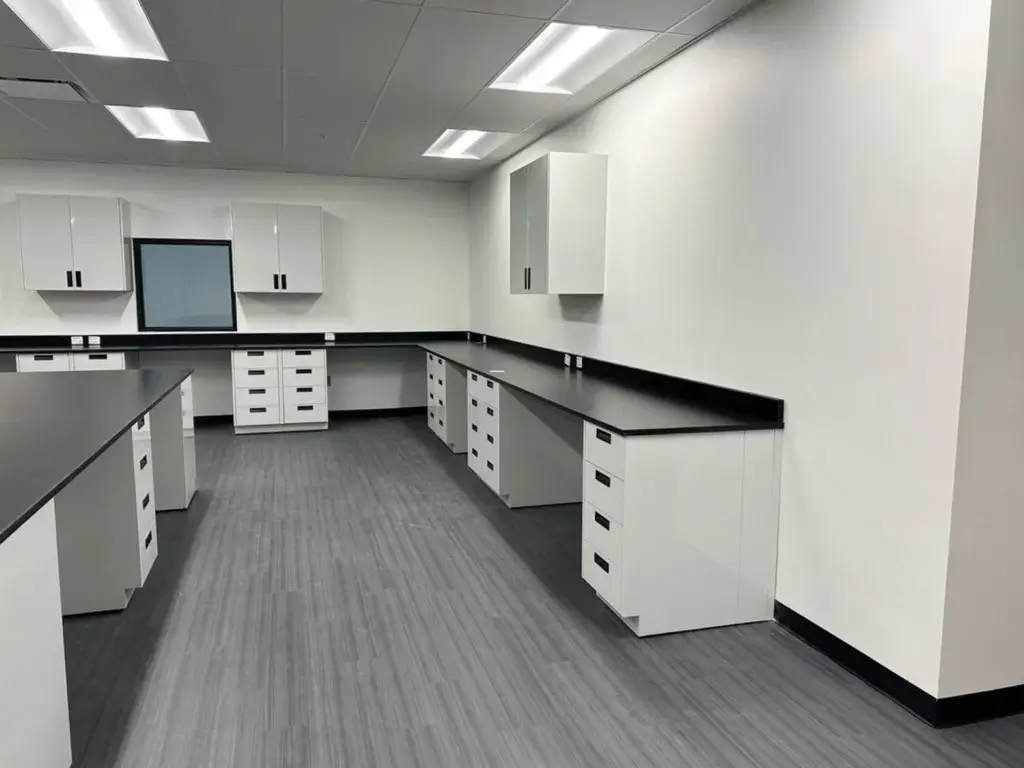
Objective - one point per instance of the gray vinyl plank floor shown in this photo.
(358, 598)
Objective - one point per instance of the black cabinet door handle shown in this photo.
(144, 462)
(490, 466)
(42, 357)
(257, 410)
(257, 372)
(474, 427)
(303, 352)
(603, 521)
(304, 371)
(490, 439)
(306, 407)
(309, 390)
(475, 453)
(603, 479)
(601, 562)
(145, 501)
(284, 282)
(149, 539)
(524, 279)
(97, 356)
(78, 278)
(529, 278)
(256, 353)
(257, 391)
(276, 282)
(71, 282)
(604, 437)
(490, 411)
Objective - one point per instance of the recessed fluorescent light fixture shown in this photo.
(117, 28)
(457, 144)
(160, 124)
(565, 57)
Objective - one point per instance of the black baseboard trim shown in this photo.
(374, 413)
(940, 713)
(743, 403)
(211, 421)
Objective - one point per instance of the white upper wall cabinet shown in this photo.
(277, 248)
(557, 220)
(75, 243)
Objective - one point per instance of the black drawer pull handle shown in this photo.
(601, 562)
(439, 421)
(145, 501)
(490, 439)
(305, 390)
(257, 391)
(255, 354)
(440, 383)
(149, 539)
(474, 402)
(257, 410)
(306, 407)
(490, 385)
(97, 356)
(141, 423)
(603, 521)
(303, 352)
(144, 462)
(490, 466)
(490, 411)
(42, 357)
(431, 395)
(475, 428)
(604, 437)
(603, 479)
(257, 372)
(440, 402)
(474, 377)
(475, 453)
(304, 371)
(431, 377)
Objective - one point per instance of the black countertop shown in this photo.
(199, 346)
(615, 406)
(52, 426)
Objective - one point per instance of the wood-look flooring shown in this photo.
(358, 598)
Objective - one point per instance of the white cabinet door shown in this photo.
(44, 223)
(537, 212)
(254, 253)
(97, 244)
(301, 246)
(519, 253)
(578, 200)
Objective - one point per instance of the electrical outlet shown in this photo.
(579, 362)
(76, 341)
(568, 360)
(94, 341)
(485, 339)
(329, 337)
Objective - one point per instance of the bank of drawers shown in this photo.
(280, 387)
(482, 398)
(39, 362)
(145, 503)
(604, 517)
(437, 410)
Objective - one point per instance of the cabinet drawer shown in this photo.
(255, 358)
(256, 378)
(311, 395)
(257, 396)
(603, 490)
(141, 426)
(98, 361)
(604, 449)
(303, 358)
(489, 418)
(43, 362)
(257, 415)
(603, 532)
(142, 446)
(486, 467)
(304, 377)
(604, 576)
(296, 413)
(483, 389)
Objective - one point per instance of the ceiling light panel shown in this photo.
(467, 145)
(565, 57)
(117, 28)
(160, 124)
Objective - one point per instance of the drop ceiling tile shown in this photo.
(14, 33)
(348, 99)
(26, 62)
(533, 9)
(231, 91)
(652, 15)
(128, 82)
(710, 16)
(181, 153)
(78, 131)
(506, 111)
(18, 134)
(349, 38)
(244, 142)
(320, 146)
(245, 33)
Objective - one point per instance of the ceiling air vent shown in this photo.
(51, 90)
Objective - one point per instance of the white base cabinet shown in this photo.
(106, 526)
(528, 452)
(94, 360)
(174, 449)
(279, 390)
(680, 532)
(446, 402)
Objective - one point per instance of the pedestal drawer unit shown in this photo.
(279, 390)
(446, 402)
(94, 360)
(680, 530)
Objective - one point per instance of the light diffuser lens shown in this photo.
(565, 57)
(466, 145)
(117, 28)
(160, 124)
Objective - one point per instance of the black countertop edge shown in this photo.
(769, 410)
(6, 533)
(186, 341)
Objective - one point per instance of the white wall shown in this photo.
(983, 631)
(396, 251)
(791, 212)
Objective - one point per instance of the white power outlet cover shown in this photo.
(568, 360)
(579, 362)
(329, 337)
(485, 339)
(94, 341)
(77, 341)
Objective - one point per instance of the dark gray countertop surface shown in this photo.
(53, 425)
(616, 406)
